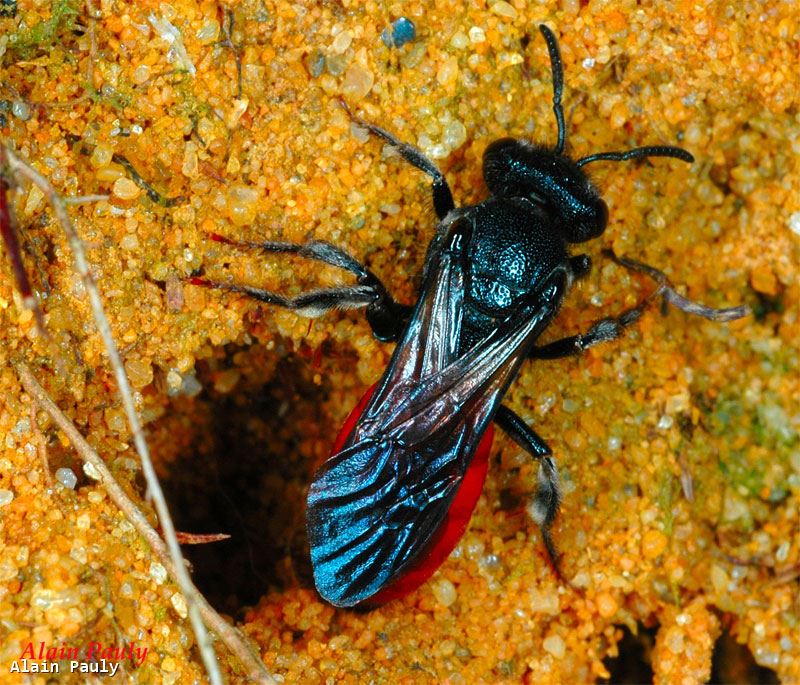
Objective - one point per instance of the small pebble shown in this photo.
(140, 372)
(67, 478)
(570, 406)
(445, 592)
(794, 223)
(555, 645)
(454, 135)
(665, 422)
(125, 189)
(189, 385)
(503, 9)
(238, 108)
(606, 605)
(208, 32)
(129, 242)
(448, 71)
(34, 201)
(341, 43)
(653, 544)
(477, 35)
(763, 280)
(459, 40)
(336, 64)
(6, 496)
(358, 82)
(226, 381)
(242, 204)
(21, 427)
(402, 31)
(158, 573)
(720, 579)
(101, 156)
(766, 657)
(315, 63)
(179, 604)
(21, 110)
(413, 55)
(91, 471)
(674, 641)
(735, 507)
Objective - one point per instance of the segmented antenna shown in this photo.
(558, 85)
(638, 153)
(558, 88)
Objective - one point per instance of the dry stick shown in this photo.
(41, 445)
(93, 15)
(96, 468)
(9, 231)
(17, 166)
(85, 199)
(227, 30)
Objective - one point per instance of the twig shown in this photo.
(200, 538)
(8, 229)
(93, 15)
(41, 445)
(687, 482)
(227, 30)
(152, 193)
(96, 468)
(20, 168)
(85, 199)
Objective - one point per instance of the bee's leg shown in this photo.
(442, 196)
(606, 329)
(386, 317)
(544, 507)
(612, 327)
(671, 296)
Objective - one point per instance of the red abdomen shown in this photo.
(452, 528)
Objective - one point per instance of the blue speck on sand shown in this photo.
(401, 32)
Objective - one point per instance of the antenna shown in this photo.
(558, 85)
(638, 153)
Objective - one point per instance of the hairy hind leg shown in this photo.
(544, 507)
(386, 317)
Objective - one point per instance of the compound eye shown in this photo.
(590, 223)
(602, 216)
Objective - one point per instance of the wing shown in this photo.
(374, 506)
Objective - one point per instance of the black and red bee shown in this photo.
(390, 504)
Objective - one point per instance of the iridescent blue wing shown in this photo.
(374, 506)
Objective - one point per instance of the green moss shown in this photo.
(772, 426)
(22, 44)
(762, 422)
(665, 496)
(190, 106)
(744, 476)
(505, 668)
(159, 613)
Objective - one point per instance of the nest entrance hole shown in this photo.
(240, 456)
